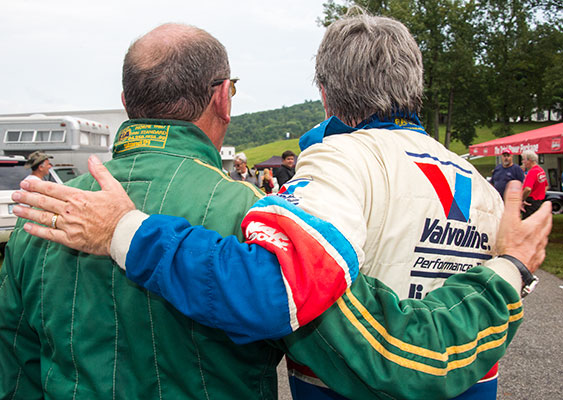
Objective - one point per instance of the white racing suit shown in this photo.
(419, 212)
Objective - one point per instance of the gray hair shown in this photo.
(168, 73)
(240, 157)
(369, 65)
(530, 155)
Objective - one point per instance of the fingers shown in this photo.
(534, 237)
(39, 216)
(512, 200)
(513, 197)
(51, 189)
(38, 200)
(43, 232)
(102, 175)
(542, 218)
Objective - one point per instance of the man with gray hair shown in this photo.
(242, 172)
(371, 191)
(535, 184)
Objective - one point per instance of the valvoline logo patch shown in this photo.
(456, 205)
(289, 187)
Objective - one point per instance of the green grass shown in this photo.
(258, 154)
(554, 252)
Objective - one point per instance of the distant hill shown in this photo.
(255, 129)
(484, 165)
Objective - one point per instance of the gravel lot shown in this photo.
(533, 365)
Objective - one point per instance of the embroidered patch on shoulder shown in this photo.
(287, 191)
(140, 135)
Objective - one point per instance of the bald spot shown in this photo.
(154, 47)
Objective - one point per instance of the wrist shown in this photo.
(529, 280)
(123, 235)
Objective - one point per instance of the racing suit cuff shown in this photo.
(123, 235)
(507, 271)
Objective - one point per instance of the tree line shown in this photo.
(484, 60)
(255, 129)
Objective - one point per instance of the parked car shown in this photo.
(62, 173)
(12, 172)
(556, 199)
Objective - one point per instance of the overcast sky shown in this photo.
(62, 55)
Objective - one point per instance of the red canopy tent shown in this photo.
(547, 140)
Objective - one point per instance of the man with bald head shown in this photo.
(71, 324)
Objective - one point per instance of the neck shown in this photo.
(214, 128)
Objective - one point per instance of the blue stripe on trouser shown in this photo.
(480, 391)
(301, 390)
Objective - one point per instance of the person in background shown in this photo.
(267, 181)
(39, 164)
(535, 184)
(505, 172)
(286, 171)
(242, 172)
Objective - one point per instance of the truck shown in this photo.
(70, 140)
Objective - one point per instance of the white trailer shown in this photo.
(69, 139)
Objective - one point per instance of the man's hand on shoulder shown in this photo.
(79, 219)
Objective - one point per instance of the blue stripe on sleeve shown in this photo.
(326, 229)
(218, 282)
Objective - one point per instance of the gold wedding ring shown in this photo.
(54, 221)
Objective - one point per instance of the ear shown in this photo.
(123, 100)
(222, 101)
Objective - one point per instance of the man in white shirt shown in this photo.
(39, 164)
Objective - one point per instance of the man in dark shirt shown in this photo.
(507, 171)
(286, 171)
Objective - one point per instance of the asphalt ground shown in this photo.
(532, 368)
